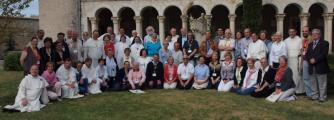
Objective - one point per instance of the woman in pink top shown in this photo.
(54, 88)
(170, 74)
(136, 77)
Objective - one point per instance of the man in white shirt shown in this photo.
(94, 49)
(294, 47)
(174, 39)
(252, 77)
(185, 72)
(257, 50)
(75, 47)
(134, 34)
(67, 77)
(122, 33)
(226, 45)
(278, 49)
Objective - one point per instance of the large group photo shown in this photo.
(175, 64)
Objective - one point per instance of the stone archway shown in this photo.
(316, 20)
(291, 19)
(238, 19)
(219, 18)
(173, 19)
(103, 19)
(149, 18)
(126, 20)
(268, 18)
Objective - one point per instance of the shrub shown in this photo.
(12, 61)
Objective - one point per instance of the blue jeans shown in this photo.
(306, 78)
(246, 91)
(83, 88)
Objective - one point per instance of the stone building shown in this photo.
(87, 15)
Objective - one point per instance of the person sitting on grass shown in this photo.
(170, 74)
(30, 91)
(251, 79)
(227, 73)
(185, 73)
(155, 73)
(239, 74)
(88, 72)
(122, 76)
(82, 83)
(285, 86)
(201, 74)
(102, 74)
(54, 88)
(136, 77)
(67, 77)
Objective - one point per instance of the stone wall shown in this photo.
(22, 29)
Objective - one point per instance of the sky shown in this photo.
(32, 9)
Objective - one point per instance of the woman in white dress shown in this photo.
(143, 60)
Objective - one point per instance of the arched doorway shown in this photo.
(269, 20)
(316, 20)
(219, 18)
(149, 18)
(291, 19)
(126, 20)
(103, 19)
(238, 19)
(173, 19)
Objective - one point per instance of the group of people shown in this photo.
(247, 64)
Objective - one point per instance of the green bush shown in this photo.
(12, 61)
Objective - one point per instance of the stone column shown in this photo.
(93, 24)
(138, 25)
(303, 21)
(115, 20)
(280, 25)
(328, 21)
(208, 22)
(161, 27)
(232, 22)
(184, 19)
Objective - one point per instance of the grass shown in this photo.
(168, 105)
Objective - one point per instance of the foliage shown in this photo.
(12, 61)
(10, 43)
(252, 16)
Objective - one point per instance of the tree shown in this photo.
(252, 16)
(8, 10)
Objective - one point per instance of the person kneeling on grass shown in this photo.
(185, 72)
(155, 73)
(252, 77)
(170, 74)
(66, 75)
(102, 74)
(136, 77)
(54, 88)
(30, 91)
(88, 72)
(201, 74)
(82, 83)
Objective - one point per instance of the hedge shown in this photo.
(12, 61)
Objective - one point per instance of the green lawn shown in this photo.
(168, 104)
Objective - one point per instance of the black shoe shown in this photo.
(300, 94)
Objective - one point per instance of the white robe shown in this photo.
(294, 46)
(135, 50)
(226, 43)
(119, 49)
(93, 49)
(143, 63)
(30, 88)
(90, 74)
(76, 50)
(67, 76)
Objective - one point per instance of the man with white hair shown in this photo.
(174, 39)
(134, 34)
(149, 32)
(183, 37)
(257, 50)
(294, 46)
(317, 53)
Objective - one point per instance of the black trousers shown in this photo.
(114, 84)
(187, 87)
